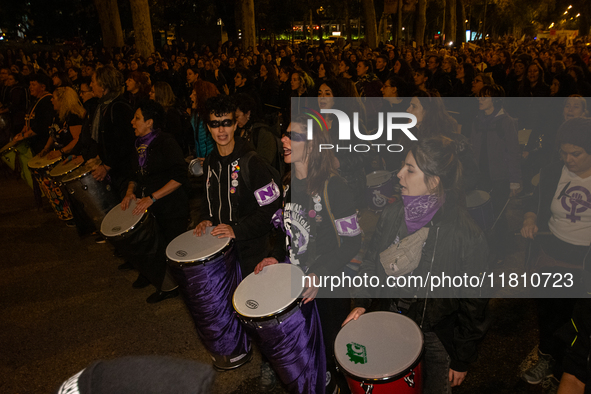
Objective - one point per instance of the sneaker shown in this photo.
(100, 240)
(540, 370)
(550, 385)
(268, 379)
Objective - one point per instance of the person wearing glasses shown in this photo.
(241, 193)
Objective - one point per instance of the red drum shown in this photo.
(381, 353)
(380, 189)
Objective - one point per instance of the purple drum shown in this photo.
(207, 272)
(380, 189)
(286, 331)
(480, 208)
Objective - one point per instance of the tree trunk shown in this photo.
(311, 28)
(347, 21)
(249, 38)
(140, 13)
(461, 33)
(110, 22)
(450, 21)
(421, 22)
(399, 23)
(371, 34)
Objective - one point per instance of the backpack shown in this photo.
(245, 172)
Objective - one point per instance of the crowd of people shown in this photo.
(488, 118)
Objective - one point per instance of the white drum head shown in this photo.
(378, 346)
(42, 162)
(269, 292)
(65, 167)
(377, 178)
(188, 247)
(76, 174)
(117, 221)
(476, 198)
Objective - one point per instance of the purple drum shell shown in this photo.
(207, 289)
(295, 348)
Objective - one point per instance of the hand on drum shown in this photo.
(456, 378)
(354, 315)
(265, 262)
(529, 229)
(200, 229)
(142, 205)
(100, 172)
(129, 197)
(223, 231)
(310, 293)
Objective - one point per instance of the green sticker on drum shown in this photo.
(356, 353)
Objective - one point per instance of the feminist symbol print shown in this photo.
(579, 199)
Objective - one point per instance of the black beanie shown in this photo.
(577, 132)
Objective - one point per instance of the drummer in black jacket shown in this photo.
(241, 195)
(157, 185)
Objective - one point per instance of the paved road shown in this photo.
(64, 304)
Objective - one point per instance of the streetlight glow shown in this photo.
(570, 6)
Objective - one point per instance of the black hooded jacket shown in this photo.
(249, 208)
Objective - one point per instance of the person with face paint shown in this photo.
(322, 235)
(241, 194)
(454, 320)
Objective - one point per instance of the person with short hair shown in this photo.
(157, 184)
(241, 195)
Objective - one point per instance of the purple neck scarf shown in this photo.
(141, 145)
(419, 210)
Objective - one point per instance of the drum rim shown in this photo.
(203, 260)
(64, 180)
(124, 234)
(386, 379)
(57, 160)
(381, 184)
(287, 309)
(63, 175)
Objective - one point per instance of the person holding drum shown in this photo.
(67, 124)
(441, 237)
(559, 219)
(157, 185)
(38, 119)
(322, 230)
(241, 194)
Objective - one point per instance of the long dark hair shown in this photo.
(320, 164)
(437, 156)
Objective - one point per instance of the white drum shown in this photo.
(189, 248)
(380, 353)
(42, 163)
(65, 167)
(270, 294)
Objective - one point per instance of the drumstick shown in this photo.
(501, 214)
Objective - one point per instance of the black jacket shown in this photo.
(164, 163)
(249, 209)
(456, 246)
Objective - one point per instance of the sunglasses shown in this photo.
(297, 137)
(214, 124)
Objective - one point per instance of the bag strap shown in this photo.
(332, 219)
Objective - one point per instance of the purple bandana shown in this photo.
(419, 210)
(141, 145)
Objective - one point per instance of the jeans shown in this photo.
(436, 364)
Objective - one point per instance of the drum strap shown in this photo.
(313, 225)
